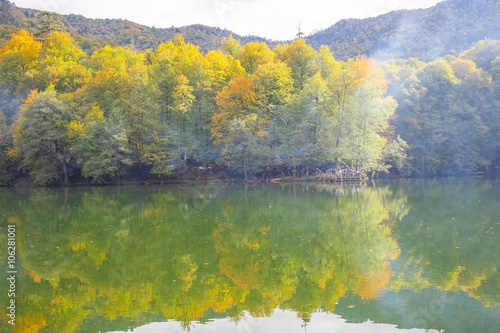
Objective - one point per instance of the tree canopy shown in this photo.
(250, 110)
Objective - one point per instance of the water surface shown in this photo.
(417, 256)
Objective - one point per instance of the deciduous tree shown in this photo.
(40, 137)
(300, 58)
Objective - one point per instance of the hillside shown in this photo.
(94, 33)
(450, 27)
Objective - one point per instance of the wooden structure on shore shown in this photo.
(340, 177)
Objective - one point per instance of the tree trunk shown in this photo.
(179, 137)
(245, 166)
(65, 171)
(336, 154)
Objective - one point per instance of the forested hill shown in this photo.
(94, 33)
(124, 33)
(450, 27)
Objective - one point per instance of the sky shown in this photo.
(279, 321)
(273, 19)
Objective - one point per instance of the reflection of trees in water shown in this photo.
(448, 239)
(443, 311)
(332, 188)
(189, 253)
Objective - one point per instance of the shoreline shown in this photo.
(27, 183)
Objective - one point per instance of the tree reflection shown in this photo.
(191, 253)
(449, 239)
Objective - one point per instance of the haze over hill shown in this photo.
(450, 27)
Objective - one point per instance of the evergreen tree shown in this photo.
(47, 23)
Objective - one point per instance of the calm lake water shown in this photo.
(419, 256)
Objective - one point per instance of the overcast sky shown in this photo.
(274, 19)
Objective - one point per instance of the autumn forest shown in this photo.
(118, 114)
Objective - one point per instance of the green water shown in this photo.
(386, 257)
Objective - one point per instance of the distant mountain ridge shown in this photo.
(449, 27)
(118, 31)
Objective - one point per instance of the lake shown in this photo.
(416, 255)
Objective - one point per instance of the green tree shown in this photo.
(300, 58)
(230, 45)
(445, 116)
(244, 145)
(182, 101)
(298, 132)
(395, 155)
(47, 23)
(6, 164)
(356, 114)
(273, 85)
(120, 83)
(101, 145)
(183, 107)
(40, 138)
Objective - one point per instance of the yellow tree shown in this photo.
(254, 54)
(182, 101)
(61, 63)
(178, 58)
(236, 126)
(121, 88)
(235, 100)
(118, 73)
(300, 58)
(326, 64)
(221, 69)
(273, 85)
(169, 62)
(18, 61)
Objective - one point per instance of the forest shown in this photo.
(174, 112)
